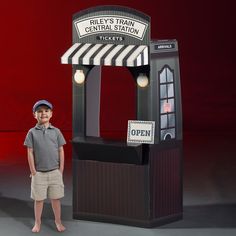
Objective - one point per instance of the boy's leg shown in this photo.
(56, 206)
(38, 208)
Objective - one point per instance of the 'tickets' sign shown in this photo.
(140, 131)
(111, 24)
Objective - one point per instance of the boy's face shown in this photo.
(43, 115)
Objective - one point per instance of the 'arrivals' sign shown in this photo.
(111, 24)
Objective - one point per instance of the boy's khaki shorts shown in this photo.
(47, 185)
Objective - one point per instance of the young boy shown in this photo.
(45, 153)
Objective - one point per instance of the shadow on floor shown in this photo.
(23, 211)
(207, 216)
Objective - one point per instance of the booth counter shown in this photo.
(98, 149)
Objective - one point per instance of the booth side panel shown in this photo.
(112, 192)
(79, 108)
(167, 108)
(166, 182)
(93, 90)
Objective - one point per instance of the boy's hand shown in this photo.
(33, 173)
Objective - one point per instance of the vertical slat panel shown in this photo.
(112, 189)
(166, 182)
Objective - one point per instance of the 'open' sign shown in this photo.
(141, 131)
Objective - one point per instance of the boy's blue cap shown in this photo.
(41, 103)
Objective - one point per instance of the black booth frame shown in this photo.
(138, 185)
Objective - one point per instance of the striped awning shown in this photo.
(106, 54)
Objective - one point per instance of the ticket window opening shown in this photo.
(117, 102)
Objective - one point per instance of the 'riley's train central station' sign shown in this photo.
(111, 24)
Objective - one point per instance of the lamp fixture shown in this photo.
(142, 80)
(79, 76)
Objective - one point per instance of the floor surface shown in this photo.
(209, 193)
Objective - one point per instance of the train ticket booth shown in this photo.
(117, 181)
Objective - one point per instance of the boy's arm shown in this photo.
(61, 158)
(30, 154)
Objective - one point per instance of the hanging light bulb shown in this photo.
(142, 80)
(79, 76)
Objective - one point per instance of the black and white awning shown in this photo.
(106, 54)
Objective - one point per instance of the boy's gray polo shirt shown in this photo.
(45, 144)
